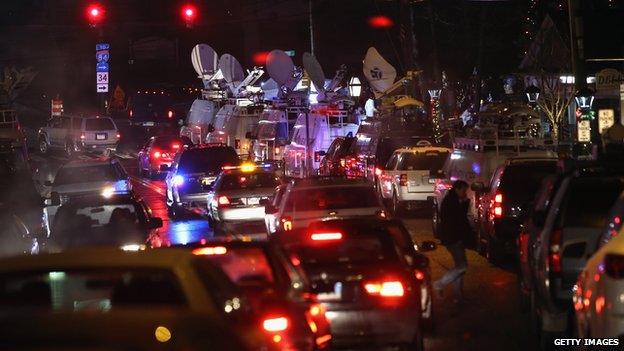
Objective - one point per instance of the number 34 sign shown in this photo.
(101, 78)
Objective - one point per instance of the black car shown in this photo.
(192, 174)
(366, 272)
(277, 290)
(341, 159)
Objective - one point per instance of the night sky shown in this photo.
(150, 45)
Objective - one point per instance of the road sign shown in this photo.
(606, 118)
(101, 78)
(608, 79)
(101, 67)
(102, 88)
(584, 131)
(102, 56)
(102, 46)
(57, 107)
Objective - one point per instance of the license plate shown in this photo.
(100, 136)
(335, 295)
(148, 124)
(253, 200)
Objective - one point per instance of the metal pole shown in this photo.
(306, 172)
(311, 27)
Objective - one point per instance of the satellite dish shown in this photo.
(204, 60)
(280, 67)
(231, 69)
(270, 89)
(379, 73)
(315, 71)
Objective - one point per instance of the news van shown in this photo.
(234, 125)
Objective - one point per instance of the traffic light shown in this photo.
(95, 14)
(380, 22)
(189, 14)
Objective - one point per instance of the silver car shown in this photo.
(236, 203)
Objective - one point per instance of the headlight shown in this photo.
(108, 192)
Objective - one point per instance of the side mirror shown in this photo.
(47, 183)
(427, 245)
(539, 218)
(478, 187)
(155, 222)
(55, 199)
(165, 168)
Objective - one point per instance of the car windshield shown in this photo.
(239, 181)
(95, 173)
(245, 266)
(99, 124)
(332, 198)
(207, 160)
(520, 182)
(588, 201)
(427, 161)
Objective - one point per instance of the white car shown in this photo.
(599, 292)
(408, 180)
(312, 199)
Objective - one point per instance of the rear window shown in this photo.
(520, 182)
(207, 160)
(332, 198)
(93, 290)
(248, 181)
(99, 173)
(245, 266)
(588, 201)
(429, 161)
(97, 124)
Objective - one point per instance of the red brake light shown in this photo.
(497, 206)
(614, 265)
(378, 171)
(118, 136)
(419, 275)
(554, 254)
(386, 288)
(211, 250)
(223, 201)
(175, 146)
(326, 236)
(403, 180)
(498, 198)
(277, 324)
(82, 136)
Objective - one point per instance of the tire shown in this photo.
(44, 148)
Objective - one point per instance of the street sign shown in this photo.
(102, 88)
(101, 78)
(584, 131)
(608, 79)
(102, 46)
(57, 107)
(606, 118)
(101, 67)
(102, 56)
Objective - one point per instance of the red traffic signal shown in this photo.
(189, 13)
(95, 14)
(380, 22)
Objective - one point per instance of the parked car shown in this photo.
(571, 230)
(158, 151)
(192, 174)
(236, 201)
(408, 179)
(308, 200)
(277, 290)
(121, 221)
(112, 299)
(504, 202)
(367, 282)
(74, 134)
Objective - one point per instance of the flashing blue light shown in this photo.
(178, 180)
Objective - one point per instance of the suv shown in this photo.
(341, 159)
(410, 174)
(571, 230)
(502, 205)
(311, 199)
(192, 174)
(73, 134)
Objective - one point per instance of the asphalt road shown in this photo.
(489, 320)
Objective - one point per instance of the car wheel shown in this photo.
(43, 146)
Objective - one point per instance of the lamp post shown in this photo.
(584, 99)
(532, 93)
(355, 87)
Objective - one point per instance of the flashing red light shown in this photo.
(95, 13)
(326, 236)
(259, 58)
(189, 13)
(380, 22)
(275, 324)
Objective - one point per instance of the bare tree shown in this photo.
(555, 97)
(13, 82)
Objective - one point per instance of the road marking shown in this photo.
(148, 184)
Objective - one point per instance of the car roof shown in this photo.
(96, 258)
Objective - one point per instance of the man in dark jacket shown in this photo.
(454, 232)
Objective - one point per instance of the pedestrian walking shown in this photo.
(454, 233)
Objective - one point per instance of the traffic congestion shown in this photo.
(269, 206)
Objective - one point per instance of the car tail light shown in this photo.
(175, 146)
(169, 114)
(130, 114)
(210, 250)
(403, 180)
(419, 275)
(223, 201)
(317, 309)
(554, 253)
(378, 171)
(391, 288)
(276, 324)
(381, 214)
(156, 154)
(118, 136)
(614, 265)
(497, 206)
(82, 136)
(326, 236)
(286, 223)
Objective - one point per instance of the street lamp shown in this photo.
(355, 87)
(584, 98)
(532, 93)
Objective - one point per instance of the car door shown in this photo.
(387, 178)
